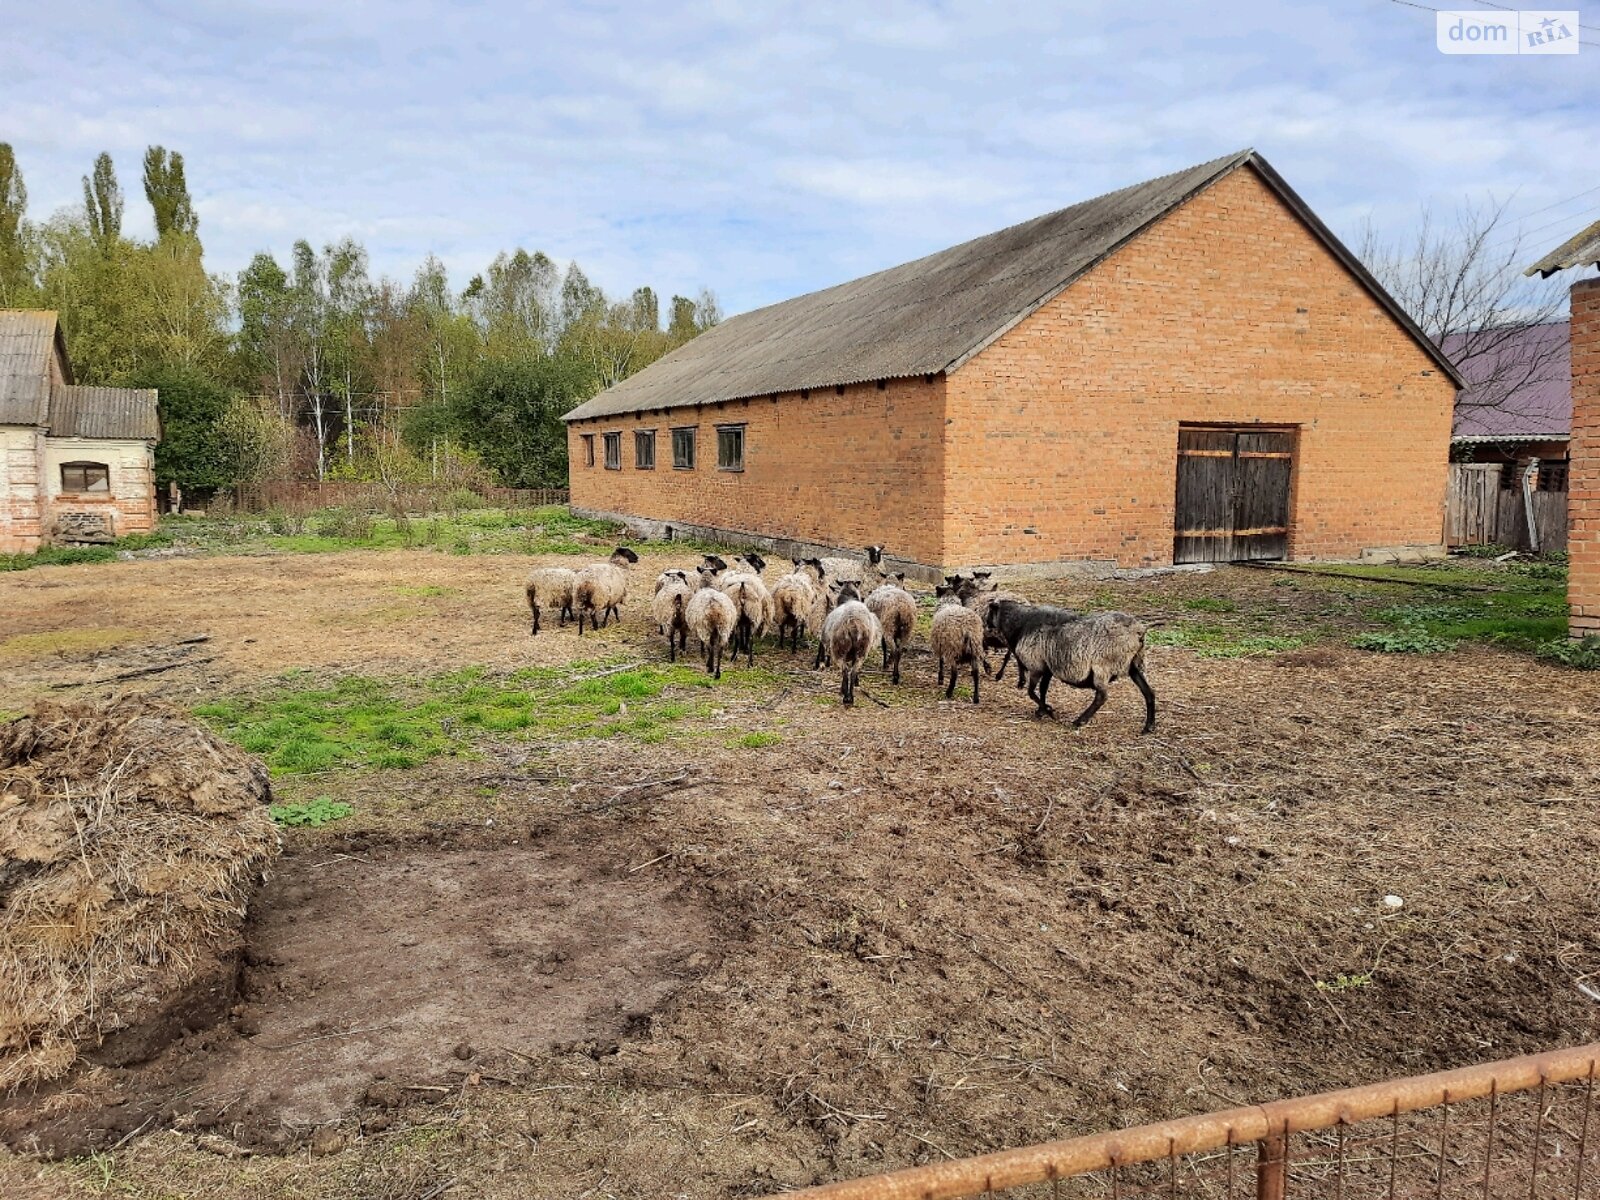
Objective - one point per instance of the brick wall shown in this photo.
(1063, 434)
(1583, 483)
(131, 502)
(841, 470)
(21, 462)
(1058, 443)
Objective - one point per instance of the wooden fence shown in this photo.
(1479, 512)
(302, 496)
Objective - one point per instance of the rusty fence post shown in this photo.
(1272, 1160)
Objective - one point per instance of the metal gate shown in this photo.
(1233, 494)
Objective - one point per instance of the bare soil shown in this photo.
(899, 933)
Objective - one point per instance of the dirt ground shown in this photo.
(894, 934)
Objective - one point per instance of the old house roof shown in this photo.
(26, 341)
(29, 394)
(1582, 249)
(1539, 410)
(933, 314)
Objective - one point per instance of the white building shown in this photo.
(77, 464)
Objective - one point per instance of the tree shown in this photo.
(168, 193)
(510, 413)
(1461, 282)
(349, 295)
(193, 451)
(16, 280)
(268, 349)
(102, 203)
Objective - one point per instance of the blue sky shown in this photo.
(764, 149)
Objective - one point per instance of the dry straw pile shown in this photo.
(130, 839)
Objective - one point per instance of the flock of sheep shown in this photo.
(855, 607)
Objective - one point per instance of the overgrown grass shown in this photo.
(358, 722)
(62, 556)
(320, 811)
(1222, 641)
(551, 529)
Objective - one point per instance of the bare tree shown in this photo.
(1461, 281)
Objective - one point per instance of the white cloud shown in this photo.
(760, 148)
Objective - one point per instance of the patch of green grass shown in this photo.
(756, 739)
(1401, 641)
(1522, 612)
(1345, 983)
(1221, 641)
(68, 641)
(316, 812)
(58, 556)
(1217, 604)
(359, 722)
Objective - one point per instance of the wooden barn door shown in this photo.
(1233, 494)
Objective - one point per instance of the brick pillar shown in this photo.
(1583, 485)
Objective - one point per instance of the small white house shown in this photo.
(77, 464)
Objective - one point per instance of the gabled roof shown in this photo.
(1582, 249)
(1540, 410)
(933, 314)
(30, 395)
(27, 338)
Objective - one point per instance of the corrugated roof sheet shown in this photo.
(26, 339)
(1538, 411)
(104, 412)
(931, 315)
(1582, 249)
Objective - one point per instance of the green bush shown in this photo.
(1581, 656)
(345, 523)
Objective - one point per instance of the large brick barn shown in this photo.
(1192, 368)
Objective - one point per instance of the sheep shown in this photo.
(668, 607)
(957, 639)
(851, 633)
(755, 608)
(896, 610)
(1090, 651)
(711, 616)
(846, 570)
(794, 601)
(600, 589)
(977, 593)
(1008, 621)
(550, 587)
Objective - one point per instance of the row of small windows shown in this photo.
(730, 449)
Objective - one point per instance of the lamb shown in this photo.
(669, 608)
(600, 589)
(711, 616)
(851, 633)
(896, 610)
(1008, 621)
(550, 587)
(957, 639)
(1091, 651)
(794, 601)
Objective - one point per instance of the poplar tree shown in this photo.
(102, 203)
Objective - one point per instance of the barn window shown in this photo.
(644, 449)
(613, 451)
(85, 477)
(683, 449)
(588, 449)
(730, 447)
(1553, 476)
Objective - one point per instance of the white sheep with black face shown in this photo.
(549, 589)
(957, 640)
(896, 610)
(600, 589)
(669, 609)
(711, 617)
(849, 636)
